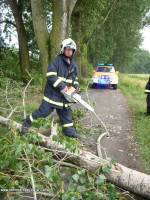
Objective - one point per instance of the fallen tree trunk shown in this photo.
(134, 181)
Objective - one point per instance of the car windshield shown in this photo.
(105, 69)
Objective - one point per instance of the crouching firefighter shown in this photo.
(147, 91)
(61, 73)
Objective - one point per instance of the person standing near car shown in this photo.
(61, 73)
(147, 91)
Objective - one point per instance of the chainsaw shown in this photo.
(73, 97)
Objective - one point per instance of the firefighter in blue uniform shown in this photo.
(61, 73)
(147, 91)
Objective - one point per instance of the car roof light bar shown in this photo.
(102, 64)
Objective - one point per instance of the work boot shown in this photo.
(70, 132)
(25, 127)
(75, 135)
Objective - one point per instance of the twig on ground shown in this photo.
(45, 194)
(105, 153)
(60, 162)
(11, 108)
(31, 175)
(88, 100)
(7, 97)
(12, 112)
(98, 143)
(24, 93)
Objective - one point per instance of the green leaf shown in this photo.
(48, 173)
(106, 168)
(18, 149)
(47, 125)
(112, 161)
(75, 177)
(100, 180)
(82, 172)
(80, 188)
(82, 179)
(7, 178)
(73, 170)
(29, 148)
(65, 197)
(74, 198)
(36, 124)
(91, 179)
(51, 174)
(55, 138)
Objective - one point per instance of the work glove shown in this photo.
(78, 90)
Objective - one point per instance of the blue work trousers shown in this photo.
(64, 114)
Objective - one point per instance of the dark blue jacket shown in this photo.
(147, 88)
(59, 75)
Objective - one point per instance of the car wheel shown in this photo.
(94, 85)
(115, 86)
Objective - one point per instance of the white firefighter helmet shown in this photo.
(68, 43)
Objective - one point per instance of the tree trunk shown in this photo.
(62, 10)
(76, 32)
(23, 44)
(120, 175)
(85, 61)
(49, 45)
(78, 58)
(41, 34)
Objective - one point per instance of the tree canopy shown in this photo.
(105, 31)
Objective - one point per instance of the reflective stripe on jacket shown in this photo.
(59, 75)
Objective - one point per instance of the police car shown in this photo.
(105, 75)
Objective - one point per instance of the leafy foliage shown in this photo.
(140, 63)
(84, 185)
(114, 41)
(10, 63)
(16, 150)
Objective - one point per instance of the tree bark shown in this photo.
(85, 62)
(76, 36)
(62, 10)
(134, 181)
(41, 34)
(23, 44)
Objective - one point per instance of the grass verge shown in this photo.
(132, 86)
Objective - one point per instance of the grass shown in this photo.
(3, 130)
(132, 86)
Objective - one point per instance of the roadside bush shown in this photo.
(9, 64)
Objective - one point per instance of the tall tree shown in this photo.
(16, 7)
(120, 37)
(49, 43)
(84, 27)
(113, 29)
